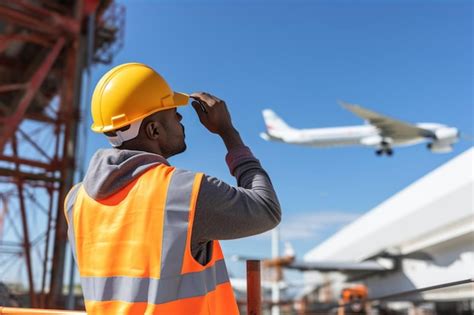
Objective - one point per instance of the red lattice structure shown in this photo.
(45, 47)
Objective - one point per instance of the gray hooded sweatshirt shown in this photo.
(222, 212)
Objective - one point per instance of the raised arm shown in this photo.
(224, 211)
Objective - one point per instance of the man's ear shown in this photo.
(152, 130)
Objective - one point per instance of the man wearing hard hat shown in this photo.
(144, 233)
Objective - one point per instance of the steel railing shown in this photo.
(36, 311)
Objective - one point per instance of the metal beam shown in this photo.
(41, 20)
(27, 162)
(19, 18)
(66, 23)
(27, 176)
(6, 40)
(24, 223)
(12, 122)
(34, 145)
(11, 87)
(70, 104)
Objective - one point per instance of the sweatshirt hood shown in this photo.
(112, 169)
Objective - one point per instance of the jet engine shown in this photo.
(443, 140)
(447, 135)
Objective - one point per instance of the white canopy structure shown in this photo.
(434, 215)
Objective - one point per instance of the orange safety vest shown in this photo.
(133, 249)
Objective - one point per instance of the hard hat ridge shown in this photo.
(128, 93)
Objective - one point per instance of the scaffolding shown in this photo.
(45, 47)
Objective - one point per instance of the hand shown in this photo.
(212, 113)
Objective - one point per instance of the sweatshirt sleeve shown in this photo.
(226, 212)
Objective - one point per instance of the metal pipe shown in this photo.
(254, 293)
(26, 238)
(46, 247)
(25, 311)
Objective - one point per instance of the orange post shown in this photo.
(341, 310)
(254, 293)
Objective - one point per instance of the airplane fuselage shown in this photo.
(336, 136)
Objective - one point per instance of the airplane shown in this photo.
(380, 132)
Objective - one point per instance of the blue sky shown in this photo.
(411, 60)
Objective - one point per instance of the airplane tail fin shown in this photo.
(273, 122)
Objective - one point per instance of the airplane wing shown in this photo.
(344, 267)
(389, 127)
(417, 255)
(371, 265)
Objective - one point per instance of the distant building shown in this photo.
(431, 218)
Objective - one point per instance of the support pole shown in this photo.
(26, 243)
(278, 272)
(341, 309)
(24, 222)
(69, 108)
(254, 293)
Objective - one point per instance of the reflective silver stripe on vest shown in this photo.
(155, 291)
(69, 207)
(176, 222)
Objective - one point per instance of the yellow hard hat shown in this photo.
(128, 93)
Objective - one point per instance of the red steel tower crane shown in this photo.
(45, 47)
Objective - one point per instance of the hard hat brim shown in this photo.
(179, 99)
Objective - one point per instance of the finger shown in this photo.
(196, 95)
(198, 108)
(218, 100)
(202, 96)
(205, 97)
(215, 98)
(202, 105)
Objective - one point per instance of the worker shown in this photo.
(145, 234)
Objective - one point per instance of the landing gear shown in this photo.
(385, 147)
(387, 151)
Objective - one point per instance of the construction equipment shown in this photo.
(353, 300)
